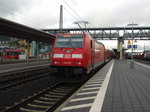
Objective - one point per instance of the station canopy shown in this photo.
(16, 30)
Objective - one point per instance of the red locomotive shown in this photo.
(77, 53)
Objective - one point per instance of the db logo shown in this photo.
(67, 56)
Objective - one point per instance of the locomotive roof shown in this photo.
(95, 40)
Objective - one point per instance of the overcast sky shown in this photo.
(99, 13)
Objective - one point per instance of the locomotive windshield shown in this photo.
(71, 41)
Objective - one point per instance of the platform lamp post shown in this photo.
(132, 62)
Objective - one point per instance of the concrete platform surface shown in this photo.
(115, 88)
(128, 89)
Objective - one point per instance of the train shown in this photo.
(10, 54)
(1, 54)
(145, 55)
(78, 53)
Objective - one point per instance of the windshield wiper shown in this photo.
(69, 43)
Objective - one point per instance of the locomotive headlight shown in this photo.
(56, 62)
(78, 63)
(77, 56)
(58, 55)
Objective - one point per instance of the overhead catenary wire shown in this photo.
(73, 10)
(77, 15)
(82, 20)
(11, 11)
(66, 10)
(32, 22)
(77, 22)
(90, 21)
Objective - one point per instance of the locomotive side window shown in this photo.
(15, 53)
(70, 42)
(91, 44)
(9, 53)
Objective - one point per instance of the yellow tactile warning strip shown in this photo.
(83, 100)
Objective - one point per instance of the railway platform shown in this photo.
(20, 66)
(115, 88)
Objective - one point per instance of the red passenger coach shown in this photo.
(1, 54)
(12, 54)
(77, 53)
(108, 55)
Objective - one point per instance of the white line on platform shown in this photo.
(76, 107)
(80, 99)
(98, 102)
(142, 64)
(86, 93)
(90, 85)
(91, 88)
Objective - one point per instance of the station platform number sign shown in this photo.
(130, 46)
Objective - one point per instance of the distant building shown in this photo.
(14, 43)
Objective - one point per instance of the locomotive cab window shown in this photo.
(74, 41)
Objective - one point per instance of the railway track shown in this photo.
(12, 74)
(13, 61)
(37, 98)
(45, 101)
(25, 77)
(20, 82)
